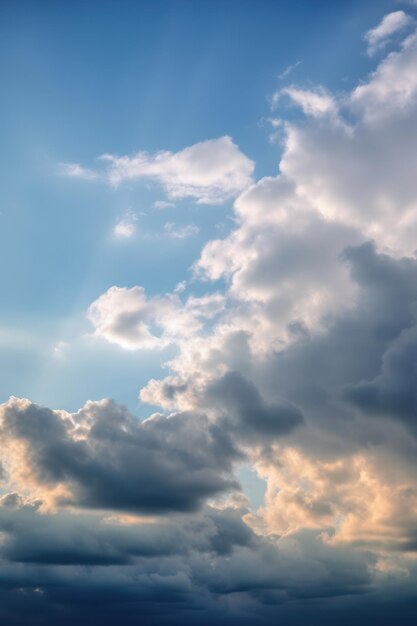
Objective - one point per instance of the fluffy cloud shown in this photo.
(284, 262)
(210, 171)
(126, 227)
(323, 320)
(130, 319)
(361, 173)
(390, 94)
(390, 24)
(317, 103)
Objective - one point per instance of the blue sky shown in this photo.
(83, 79)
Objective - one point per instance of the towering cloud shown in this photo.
(296, 356)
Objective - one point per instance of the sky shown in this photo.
(208, 321)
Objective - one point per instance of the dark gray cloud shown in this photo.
(31, 536)
(109, 459)
(393, 393)
(245, 411)
(196, 568)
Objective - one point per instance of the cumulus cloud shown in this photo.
(390, 93)
(211, 171)
(134, 321)
(360, 173)
(390, 24)
(323, 321)
(283, 264)
(126, 227)
(317, 103)
(301, 363)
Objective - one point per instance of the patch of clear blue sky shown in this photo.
(82, 78)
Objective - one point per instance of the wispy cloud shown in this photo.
(288, 70)
(163, 204)
(74, 170)
(180, 231)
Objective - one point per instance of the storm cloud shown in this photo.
(102, 457)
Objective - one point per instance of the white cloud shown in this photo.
(364, 176)
(128, 318)
(282, 263)
(391, 91)
(74, 170)
(134, 321)
(318, 103)
(211, 171)
(126, 227)
(390, 24)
